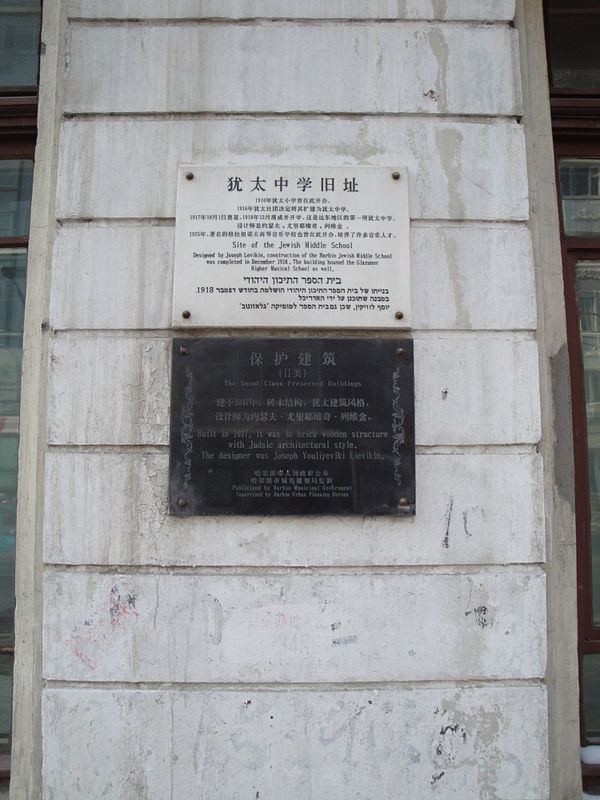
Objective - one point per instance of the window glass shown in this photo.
(6, 672)
(587, 278)
(580, 196)
(573, 45)
(16, 178)
(590, 684)
(15, 198)
(13, 264)
(19, 46)
(19, 36)
(12, 299)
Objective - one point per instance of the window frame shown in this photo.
(13, 147)
(574, 102)
(575, 120)
(18, 133)
(577, 142)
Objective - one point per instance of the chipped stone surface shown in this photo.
(108, 391)
(389, 744)
(294, 628)
(469, 390)
(488, 10)
(472, 277)
(471, 508)
(107, 744)
(463, 276)
(112, 277)
(266, 65)
(457, 170)
(281, 646)
(476, 390)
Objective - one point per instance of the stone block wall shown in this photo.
(272, 658)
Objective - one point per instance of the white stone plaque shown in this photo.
(320, 247)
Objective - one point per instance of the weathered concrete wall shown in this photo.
(557, 436)
(263, 61)
(399, 743)
(486, 10)
(291, 658)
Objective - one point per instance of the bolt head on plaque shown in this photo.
(399, 315)
(186, 314)
(396, 176)
(189, 176)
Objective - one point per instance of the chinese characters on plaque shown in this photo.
(278, 424)
(284, 247)
(292, 426)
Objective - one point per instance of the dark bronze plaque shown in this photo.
(292, 426)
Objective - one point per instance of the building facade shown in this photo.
(301, 656)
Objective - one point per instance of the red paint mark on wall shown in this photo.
(87, 638)
(121, 606)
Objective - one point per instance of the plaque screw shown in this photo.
(182, 502)
(189, 176)
(187, 315)
(396, 176)
(400, 351)
(183, 351)
(399, 315)
(403, 501)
